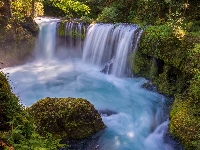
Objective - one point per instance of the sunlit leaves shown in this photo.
(23, 8)
(71, 6)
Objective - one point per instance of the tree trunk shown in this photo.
(33, 8)
(9, 9)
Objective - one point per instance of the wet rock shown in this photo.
(107, 112)
(89, 143)
(107, 67)
(149, 86)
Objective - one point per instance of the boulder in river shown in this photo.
(66, 118)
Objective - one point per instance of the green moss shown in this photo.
(73, 33)
(141, 64)
(185, 121)
(61, 29)
(73, 118)
(180, 57)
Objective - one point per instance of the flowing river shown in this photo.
(136, 119)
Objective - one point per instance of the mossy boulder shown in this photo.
(66, 118)
(185, 121)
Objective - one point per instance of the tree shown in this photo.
(76, 8)
(72, 8)
(9, 9)
(33, 8)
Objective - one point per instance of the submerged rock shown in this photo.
(66, 118)
(107, 67)
(150, 86)
(107, 112)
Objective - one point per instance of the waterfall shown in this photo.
(74, 36)
(125, 36)
(46, 43)
(107, 43)
(98, 43)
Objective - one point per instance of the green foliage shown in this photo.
(96, 7)
(17, 137)
(141, 64)
(9, 104)
(61, 29)
(86, 19)
(149, 11)
(109, 14)
(23, 8)
(69, 8)
(73, 118)
(74, 34)
(194, 89)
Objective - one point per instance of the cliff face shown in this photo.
(171, 59)
(16, 45)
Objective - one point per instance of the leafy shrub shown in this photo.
(109, 14)
(9, 104)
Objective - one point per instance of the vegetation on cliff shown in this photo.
(174, 69)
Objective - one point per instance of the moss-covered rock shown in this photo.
(72, 118)
(16, 45)
(185, 122)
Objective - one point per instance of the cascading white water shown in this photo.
(74, 35)
(97, 46)
(140, 118)
(105, 42)
(46, 42)
(125, 35)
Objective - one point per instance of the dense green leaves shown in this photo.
(109, 14)
(66, 8)
(70, 5)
